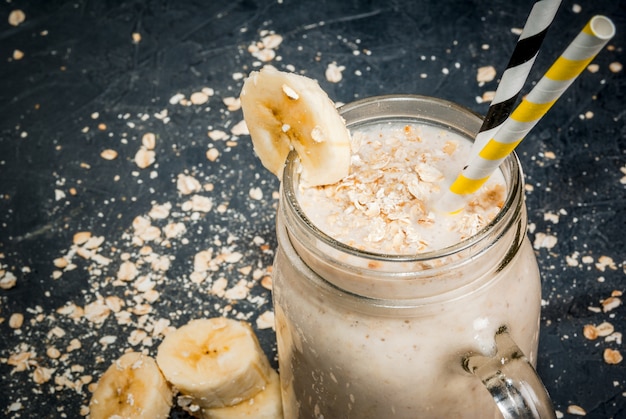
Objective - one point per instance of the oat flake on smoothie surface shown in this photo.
(396, 176)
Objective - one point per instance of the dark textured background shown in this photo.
(79, 58)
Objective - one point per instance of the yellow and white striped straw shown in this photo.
(583, 49)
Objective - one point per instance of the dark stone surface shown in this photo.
(79, 59)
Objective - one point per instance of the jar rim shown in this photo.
(389, 107)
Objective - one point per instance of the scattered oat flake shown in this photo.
(265, 320)
(615, 67)
(334, 72)
(187, 185)
(488, 96)
(217, 135)
(605, 262)
(543, 240)
(212, 154)
(272, 41)
(611, 303)
(485, 74)
(612, 356)
(16, 320)
(265, 54)
(256, 193)
(127, 271)
(16, 17)
(174, 100)
(266, 282)
(291, 94)
(240, 128)
(232, 103)
(136, 36)
(109, 154)
(42, 375)
(573, 409)
(81, 237)
(148, 140)
(590, 332)
(18, 54)
(7, 280)
(160, 211)
(199, 203)
(144, 158)
(593, 68)
(199, 98)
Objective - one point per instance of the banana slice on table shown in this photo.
(217, 362)
(285, 111)
(132, 388)
(266, 404)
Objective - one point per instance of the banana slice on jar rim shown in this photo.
(285, 111)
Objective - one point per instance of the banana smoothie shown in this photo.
(385, 307)
(378, 297)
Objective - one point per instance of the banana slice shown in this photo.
(132, 387)
(266, 404)
(217, 362)
(285, 111)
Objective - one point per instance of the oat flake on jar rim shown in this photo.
(449, 333)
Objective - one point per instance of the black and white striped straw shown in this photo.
(518, 68)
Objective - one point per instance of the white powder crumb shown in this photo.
(576, 8)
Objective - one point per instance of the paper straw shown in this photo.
(594, 36)
(516, 72)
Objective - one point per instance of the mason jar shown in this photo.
(450, 333)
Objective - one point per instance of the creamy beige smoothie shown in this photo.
(378, 296)
(388, 202)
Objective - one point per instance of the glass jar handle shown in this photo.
(512, 381)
